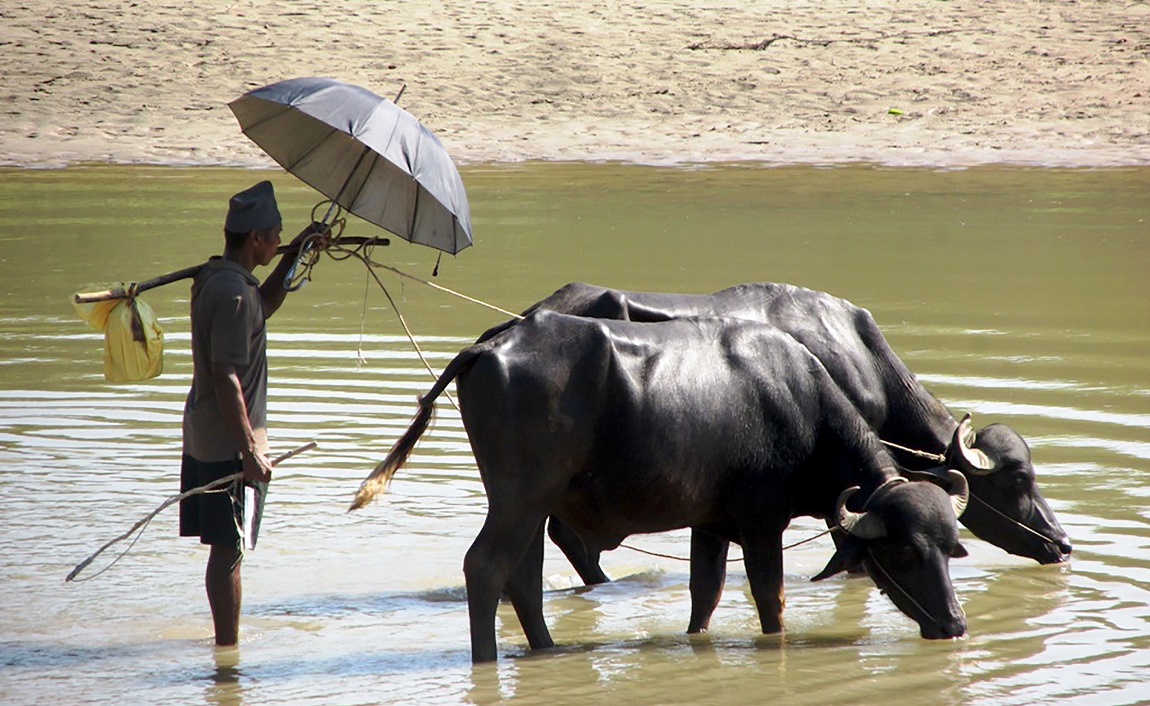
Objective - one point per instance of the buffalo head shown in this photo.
(904, 538)
(996, 463)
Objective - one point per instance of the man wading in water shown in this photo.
(225, 428)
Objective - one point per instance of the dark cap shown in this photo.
(253, 209)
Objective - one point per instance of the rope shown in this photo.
(406, 328)
(446, 290)
(938, 458)
(648, 552)
(906, 594)
(338, 249)
(1004, 516)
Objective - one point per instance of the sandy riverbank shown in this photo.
(920, 82)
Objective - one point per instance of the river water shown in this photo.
(1020, 295)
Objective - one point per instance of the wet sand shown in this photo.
(921, 82)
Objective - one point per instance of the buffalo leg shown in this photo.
(708, 574)
(525, 589)
(495, 554)
(764, 561)
(585, 561)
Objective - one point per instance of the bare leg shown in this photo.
(708, 574)
(222, 580)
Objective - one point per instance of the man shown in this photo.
(225, 428)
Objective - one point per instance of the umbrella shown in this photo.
(364, 153)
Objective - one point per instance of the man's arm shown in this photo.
(230, 397)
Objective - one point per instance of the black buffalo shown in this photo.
(1007, 508)
(617, 428)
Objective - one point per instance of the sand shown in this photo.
(918, 82)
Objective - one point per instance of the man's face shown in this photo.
(266, 242)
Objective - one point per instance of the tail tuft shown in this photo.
(377, 481)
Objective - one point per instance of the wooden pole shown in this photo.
(140, 287)
(124, 293)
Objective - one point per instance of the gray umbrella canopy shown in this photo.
(365, 153)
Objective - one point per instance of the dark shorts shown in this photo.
(217, 516)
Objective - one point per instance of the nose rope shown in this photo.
(1003, 515)
(903, 591)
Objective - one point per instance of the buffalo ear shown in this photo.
(959, 552)
(845, 558)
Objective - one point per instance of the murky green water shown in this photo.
(1019, 295)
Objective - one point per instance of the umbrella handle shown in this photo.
(309, 252)
(334, 211)
(291, 283)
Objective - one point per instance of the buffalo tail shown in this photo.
(376, 482)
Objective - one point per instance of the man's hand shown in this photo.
(272, 291)
(317, 231)
(257, 467)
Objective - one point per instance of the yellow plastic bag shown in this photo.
(133, 339)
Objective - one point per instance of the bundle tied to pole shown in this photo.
(133, 339)
(142, 524)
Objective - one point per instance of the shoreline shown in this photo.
(823, 159)
(919, 83)
(812, 153)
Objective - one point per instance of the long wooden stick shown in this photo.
(175, 499)
(139, 287)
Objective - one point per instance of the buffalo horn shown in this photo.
(973, 460)
(959, 492)
(864, 525)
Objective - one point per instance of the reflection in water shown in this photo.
(224, 685)
(862, 642)
(1018, 295)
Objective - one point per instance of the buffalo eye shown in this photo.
(1012, 479)
(1019, 481)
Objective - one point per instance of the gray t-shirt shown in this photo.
(228, 326)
